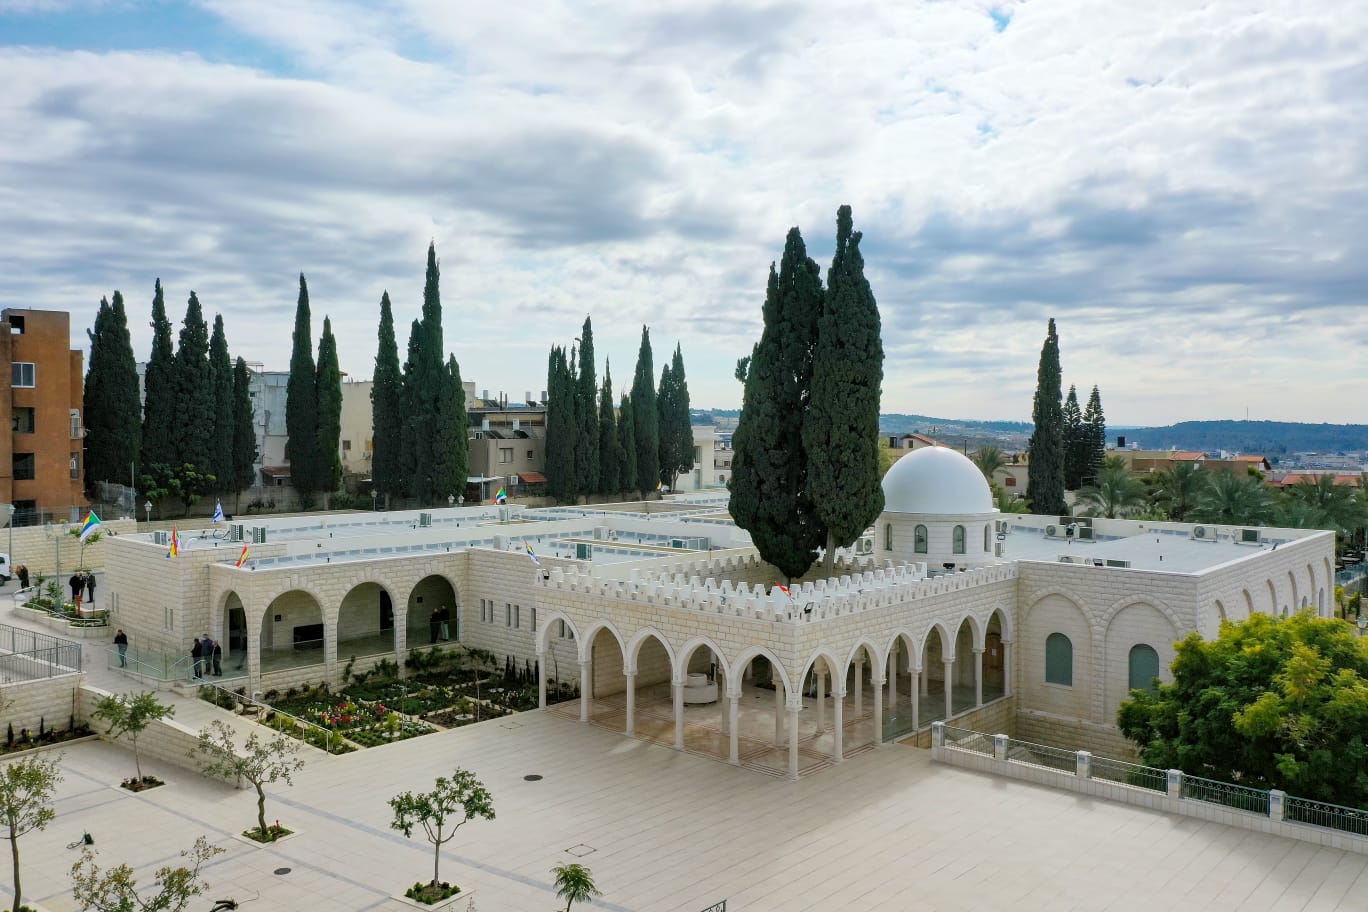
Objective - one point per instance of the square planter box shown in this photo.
(454, 904)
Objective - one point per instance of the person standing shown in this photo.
(217, 655)
(197, 656)
(445, 615)
(90, 588)
(434, 625)
(121, 643)
(23, 576)
(77, 585)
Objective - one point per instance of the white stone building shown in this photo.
(675, 630)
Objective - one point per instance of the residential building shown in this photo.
(507, 442)
(42, 400)
(355, 443)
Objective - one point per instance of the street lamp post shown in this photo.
(147, 509)
(451, 500)
(56, 534)
(374, 498)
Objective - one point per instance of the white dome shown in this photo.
(936, 480)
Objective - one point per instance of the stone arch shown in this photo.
(946, 640)
(1125, 602)
(1040, 596)
(593, 631)
(685, 652)
(1248, 603)
(632, 651)
(231, 629)
(301, 635)
(1058, 613)
(875, 656)
(913, 647)
(1005, 622)
(1272, 600)
(1136, 623)
(1294, 602)
(833, 665)
(1320, 602)
(366, 620)
(431, 592)
(744, 659)
(976, 630)
(544, 624)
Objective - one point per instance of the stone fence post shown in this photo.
(1175, 784)
(937, 739)
(1083, 765)
(1000, 748)
(1277, 804)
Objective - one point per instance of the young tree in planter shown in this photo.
(452, 803)
(574, 883)
(26, 788)
(259, 762)
(130, 714)
(115, 890)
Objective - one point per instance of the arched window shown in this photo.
(1144, 667)
(958, 543)
(1059, 660)
(888, 536)
(987, 539)
(919, 539)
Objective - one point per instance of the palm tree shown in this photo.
(1178, 488)
(1237, 499)
(574, 883)
(1336, 503)
(989, 459)
(1116, 492)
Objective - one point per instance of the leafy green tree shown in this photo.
(193, 433)
(989, 459)
(130, 714)
(1178, 489)
(562, 429)
(1006, 503)
(258, 762)
(328, 408)
(1241, 500)
(673, 425)
(1115, 493)
(221, 385)
(646, 423)
(301, 405)
(586, 415)
(841, 427)
(627, 440)
(26, 788)
(1095, 436)
(184, 482)
(452, 803)
(770, 497)
(610, 447)
(1075, 442)
(116, 890)
(244, 429)
(159, 392)
(387, 409)
(574, 883)
(1045, 471)
(1268, 704)
(112, 411)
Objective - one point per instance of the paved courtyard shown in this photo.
(666, 831)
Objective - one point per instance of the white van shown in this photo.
(6, 570)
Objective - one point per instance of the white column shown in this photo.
(878, 713)
(793, 740)
(978, 677)
(924, 684)
(679, 714)
(630, 729)
(733, 748)
(949, 686)
(584, 691)
(1006, 668)
(725, 717)
(916, 698)
(859, 686)
(821, 700)
(838, 696)
(893, 679)
(254, 654)
(541, 680)
(400, 644)
(778, 712)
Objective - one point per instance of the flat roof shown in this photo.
(1164, 550)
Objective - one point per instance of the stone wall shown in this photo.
(998, 717)
(1071, 734)
(166, 740)
(34, 549)
(50, 700)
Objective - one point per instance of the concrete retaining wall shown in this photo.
(166, 741)
(51, 700)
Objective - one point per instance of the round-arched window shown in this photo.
(1058, 660)
(1144, 667)
(958, 543)
(919, 539)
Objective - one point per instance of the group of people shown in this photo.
(81, 582)
(207, 657)
(438, 624)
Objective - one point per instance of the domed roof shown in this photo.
(936, 480)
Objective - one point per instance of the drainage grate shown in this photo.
(532, 777)
(579, 851)
(282, 871)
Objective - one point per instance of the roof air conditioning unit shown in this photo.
(1000, 526)
(501, 543)
(601, 533)
(1249, 536)
(1085, 533)
(584, 551)
(235, 532)
(258, 535)
(1098, 562)
(1204, 533)
(1051, 531)
(424, 520)
(1118, 563)
(864, 546)
(1067, 559)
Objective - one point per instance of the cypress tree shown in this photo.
(301, 405)
(428, 428)
(454, 443)
(328, 408)
(244, 429)
(417, 424)
(1095, 436)
(1045, 471)
(586, 415)
(1075, 442)
(647, 429)
(610, 447)
(561, 429)
(193, 433)
(769, 494)
(676, 432)
(111, 409)
(159, 392)
(221, 382)
(387, 409)
(841, 427)
(627, 441)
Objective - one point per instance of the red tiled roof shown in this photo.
(531, 477)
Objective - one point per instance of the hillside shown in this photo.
(1267, 438)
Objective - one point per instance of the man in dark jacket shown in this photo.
(217, 656)
(197, 657)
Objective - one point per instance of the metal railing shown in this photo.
(26, 655)
(717, 907)
(969, 740)
(1226, 794)
(1330, 816)
(159, 666)
(1133, 774)
(1042, 755)
(302, 727)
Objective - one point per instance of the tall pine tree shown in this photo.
(112, 412)
(159, 394)
(193, 434)
(221, 382)
(841, 426)
(417, 425)
(627, 440)
(301, 405)
(328, 386)
(433, 418)
(647, 422)
(676, 432)
(244, 430)
(769, 490)
(1075, 442)
(586, 415)
(453, 466)
(1095, 436)
(610, 447)
(1045, 471)
(387, 409)
(561, 429)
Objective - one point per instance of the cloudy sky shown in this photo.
(1183, 186)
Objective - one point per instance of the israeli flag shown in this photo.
(218, 511)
